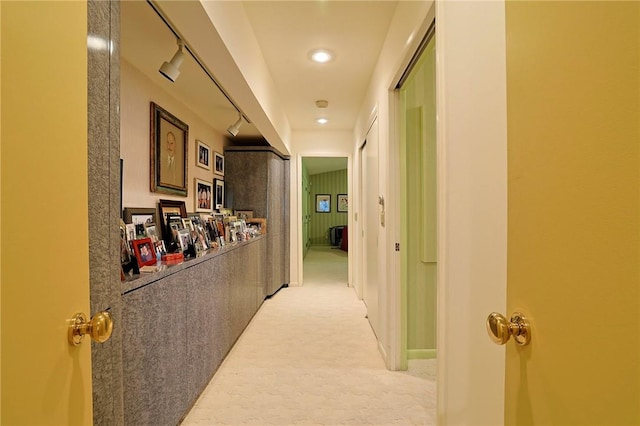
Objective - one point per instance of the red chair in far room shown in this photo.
(344, 244)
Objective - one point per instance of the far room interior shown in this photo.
(325, 212)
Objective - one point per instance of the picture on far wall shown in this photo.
(323, 203)
(169, 152)
(203, 195)
(203, 155)
(343, 203)
(219, 164)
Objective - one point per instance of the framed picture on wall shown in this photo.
(219, 164)
(218, 201)
(203, 195)
(169, 152)
(203, 155)
(323, 203)
(343, 203)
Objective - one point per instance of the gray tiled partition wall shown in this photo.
(179, 325)
(257, 179)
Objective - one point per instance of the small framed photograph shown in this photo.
(218, 164)
(169, 152)
(219, 193)
(343, 203)
(244, 214)
(151, 232)
(203, 195)
(188, 224)
(184, 238)
(203, 155)
(323, 203)
(170, 208)
(145, 252)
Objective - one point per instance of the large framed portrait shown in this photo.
(203, 195)
(219, 193)
(169, 152)
(203, 155)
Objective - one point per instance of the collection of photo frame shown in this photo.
(167, 233)
(323, 203)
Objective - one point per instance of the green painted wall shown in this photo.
(306, 210)
(418, 156)
(332, 183)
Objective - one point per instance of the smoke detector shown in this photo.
(321, 103)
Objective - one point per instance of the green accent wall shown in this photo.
(418, 174)
(332, 183)
(306, 210)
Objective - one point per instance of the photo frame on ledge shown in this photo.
(323, 203)
(170, 208)
(219, 193)
(145, 252)
(203, 155)
(169, 152)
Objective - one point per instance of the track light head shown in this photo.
(171, 69)
(235, 127)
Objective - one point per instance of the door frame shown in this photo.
(472, 208)
(298, 243)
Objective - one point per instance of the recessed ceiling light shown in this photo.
(321, 56)
(322, 120)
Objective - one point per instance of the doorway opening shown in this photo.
(325, 214)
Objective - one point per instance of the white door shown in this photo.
(371, 220)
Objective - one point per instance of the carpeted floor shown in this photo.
(310, 357)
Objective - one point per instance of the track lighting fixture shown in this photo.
(171, 69)
(235, 127)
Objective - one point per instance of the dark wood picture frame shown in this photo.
(170, 207)
(169, 152)
(342, 203)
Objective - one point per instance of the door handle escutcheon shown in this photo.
(99, 327)
(500, 330)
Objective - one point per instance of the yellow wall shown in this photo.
(573, 79)
(44, 239)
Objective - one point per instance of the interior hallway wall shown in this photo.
(332, 184)
(409, 24)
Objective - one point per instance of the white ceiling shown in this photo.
(286, 31)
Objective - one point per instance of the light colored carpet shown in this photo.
(310, 357)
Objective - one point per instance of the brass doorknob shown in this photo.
(500, 330)
(99, 328)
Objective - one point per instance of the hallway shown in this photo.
(309, 356)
